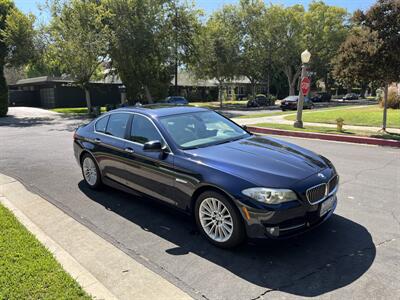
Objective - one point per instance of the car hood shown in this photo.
(262, 161)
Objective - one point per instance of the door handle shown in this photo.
(129, 150)
(97, 140)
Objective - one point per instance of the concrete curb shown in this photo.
(103, 270)
(329, 137)
(85, 279)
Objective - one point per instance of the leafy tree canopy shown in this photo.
(16, 44)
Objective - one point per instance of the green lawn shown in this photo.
(74, 110)
(363, 116)
(27, 269)
(320, 129)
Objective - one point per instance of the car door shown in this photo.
(151, 173)
(110, 134)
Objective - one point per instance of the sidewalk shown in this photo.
(104, 271)
(281, 120)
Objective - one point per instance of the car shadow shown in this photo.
(327, 258)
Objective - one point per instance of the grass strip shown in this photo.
(27, 269)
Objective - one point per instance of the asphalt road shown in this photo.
(356, 254)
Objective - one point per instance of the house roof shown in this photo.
(50, 79)
(185, 78)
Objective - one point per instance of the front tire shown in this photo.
(90, 172)
(219, 220)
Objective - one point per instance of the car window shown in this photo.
(291, 98)
(201, 129)
(117, 125)
(143, 130)
(101, 124)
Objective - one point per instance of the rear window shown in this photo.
(101, 124)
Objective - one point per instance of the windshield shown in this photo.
(291, 98)
(201, 129)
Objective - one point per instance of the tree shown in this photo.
(253, 55)
(185, 26)
(379, 28)
(16, 44)
(286, 26)
(353, 64)
(324, 31)
(79, 40)
(218, 48)
(145, 48)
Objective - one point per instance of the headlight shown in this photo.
(270, 196)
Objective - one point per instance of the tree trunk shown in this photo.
(326, 79)
(253, 87)
(148, 95)
(3, 92)
(176, 74)
(291, 89)
(88, 100)
(220, 94)
(269, 69)
(123, 97)
(292, 79)
(385, 97)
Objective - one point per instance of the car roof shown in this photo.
(161, 110)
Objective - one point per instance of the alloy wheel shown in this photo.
(216, 219)
(89, 171)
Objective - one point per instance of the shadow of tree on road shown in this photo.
(59, 122)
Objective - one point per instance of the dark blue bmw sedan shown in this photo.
(234, 183)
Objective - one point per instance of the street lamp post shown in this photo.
(305, 58)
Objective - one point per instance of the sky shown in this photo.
(211, 5)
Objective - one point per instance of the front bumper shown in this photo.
(290, 105)
(285, 222)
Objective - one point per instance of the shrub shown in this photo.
(393, 100)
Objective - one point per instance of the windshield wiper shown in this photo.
(228, 141)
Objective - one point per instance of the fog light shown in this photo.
(273, 231)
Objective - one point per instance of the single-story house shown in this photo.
(207, 89)
(49, 92)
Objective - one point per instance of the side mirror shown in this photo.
(153, 146)
(244, 127)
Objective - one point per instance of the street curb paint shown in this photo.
(329, 137)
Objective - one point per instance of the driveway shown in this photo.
(355, 254)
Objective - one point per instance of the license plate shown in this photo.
(327, 205)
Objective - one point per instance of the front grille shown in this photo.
(332, 183)
(316, 193)
(319, 192)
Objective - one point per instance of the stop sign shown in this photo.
(305, 85)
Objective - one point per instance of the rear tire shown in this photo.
(219, 220)
(90, 171)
